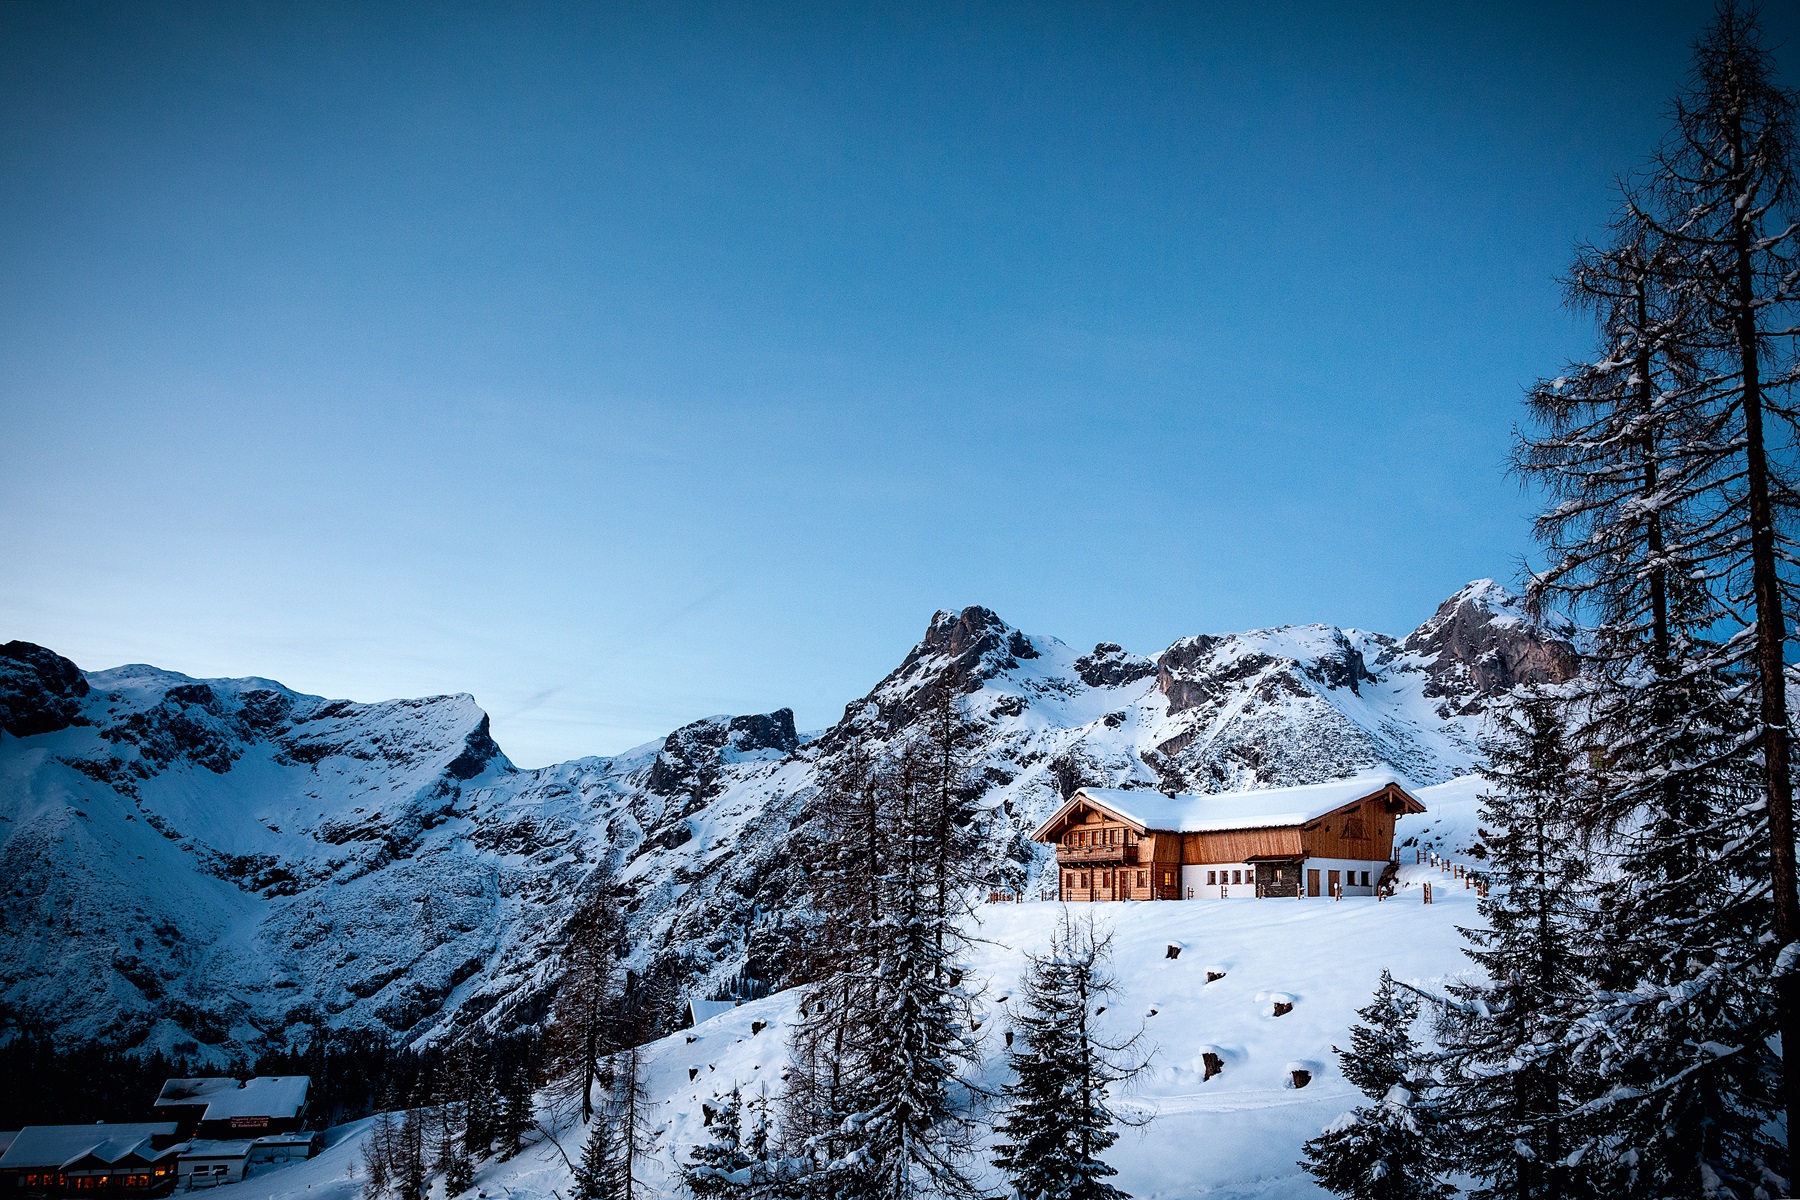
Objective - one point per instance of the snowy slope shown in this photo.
(227, 863)
(1236, 1135)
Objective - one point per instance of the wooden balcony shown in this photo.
(1085, 855)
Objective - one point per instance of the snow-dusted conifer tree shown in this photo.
(513, 1116)
(378, 1151)
(851, 851)
(875, 1101)
(585, 1019)
(597, 1173)
(450, 1158)
(1059, 1118)
(1722, 197)
(1507, 1087)
(907, 1133)
(709, 1170)
(1674, 1035)
(632, 1136)
(1383, 1150)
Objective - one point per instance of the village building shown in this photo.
(221, 1108)
(700, 1011)
(206, 1163)
(1329, 839)
(91, 1160)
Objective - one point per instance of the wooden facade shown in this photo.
(1105, 858)
(1103, 853)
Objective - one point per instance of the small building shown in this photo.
(221, 1108)
(112, 1160)
(1328, 839)
(209, 1163)
(279, 1148)
(699, 1011)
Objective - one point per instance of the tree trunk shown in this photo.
(1771, 639)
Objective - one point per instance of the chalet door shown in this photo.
(1312, 881)
(1336, 888)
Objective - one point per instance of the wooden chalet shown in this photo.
(225, 1108)
(1329, 839)
(91, 1160)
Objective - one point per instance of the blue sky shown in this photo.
(623, 365)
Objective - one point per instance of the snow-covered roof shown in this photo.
(225, 1097)
(60, 1145)
(208, 1148)
(1262, 809)
(705, 1010)
(298, 1138)
(193, 1091)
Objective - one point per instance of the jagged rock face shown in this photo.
(230, 863)
(692, 756)
(1481, 643)
(40, 690)
(1110, 666)
(959, 652)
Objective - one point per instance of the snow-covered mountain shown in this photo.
(229, 863)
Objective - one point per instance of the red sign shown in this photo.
(249, 1122)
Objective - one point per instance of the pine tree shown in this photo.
(596, 1176)
(514, 1115)
(1721, 197)
(451, 1157)
(1649, 523)
(378, 1151)
(585, 1019)
(1058, 1120)
(1508, 1089)
(1382, 1150)
(876, 1099)
(409, 1163)
(708, 1170)
(628, 1117)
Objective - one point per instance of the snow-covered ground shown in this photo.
(1236, 1135)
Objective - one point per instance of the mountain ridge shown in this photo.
(218, 865)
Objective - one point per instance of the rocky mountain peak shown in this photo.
(959, 652)
(40, 690)
(1483, 641)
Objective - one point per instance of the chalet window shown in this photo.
(1237, 877)
(1143, 879)
(1168, 878)
(1365, 881)
(1353, 828)
(1211, 877)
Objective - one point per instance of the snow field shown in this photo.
(1238, 1134)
